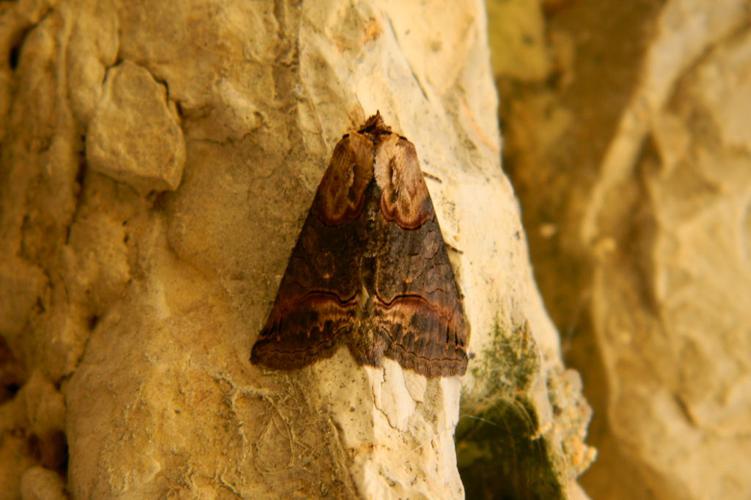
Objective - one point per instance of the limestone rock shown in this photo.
(39, 483)
(32, 428)
(157, 163)
(134, 135)
(631, 158)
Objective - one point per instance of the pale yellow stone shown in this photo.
(39, 483)
(153, 243)
(134, 135)
(648, 182)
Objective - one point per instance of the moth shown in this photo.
(370, 268)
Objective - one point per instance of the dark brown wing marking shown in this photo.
(370, 268)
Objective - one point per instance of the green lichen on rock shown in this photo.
(510, 364)
(500, 447)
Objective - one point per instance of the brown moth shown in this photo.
(370, 268)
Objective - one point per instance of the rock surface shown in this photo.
(157, 162)
(134, 136)
(628, 142)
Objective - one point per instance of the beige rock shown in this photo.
(20, 285)
(134, 135)
(636, 150)
(39, 483)
(31, 425)
(157, 243)
(91, 51)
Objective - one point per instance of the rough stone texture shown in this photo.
(39, 483)
(628, 142)
(32, 426)
(134, 136)
(133, 283)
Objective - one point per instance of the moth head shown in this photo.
(375, 125)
